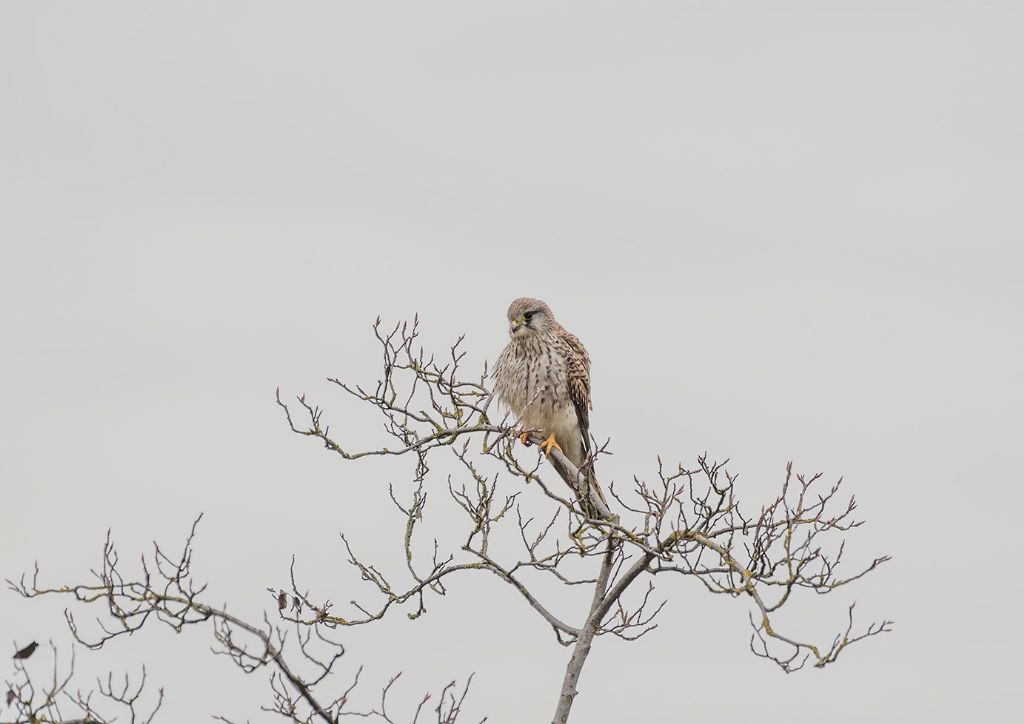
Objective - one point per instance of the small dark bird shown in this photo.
(11, 696)
(296, 604)
(27, 651)
(282, 601)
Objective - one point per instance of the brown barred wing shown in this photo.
(577, 364)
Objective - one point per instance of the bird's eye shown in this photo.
(527, 316)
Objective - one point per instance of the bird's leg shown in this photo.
(523, 434)
(550, 443)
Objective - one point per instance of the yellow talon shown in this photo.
(550, 443)
(525, 438)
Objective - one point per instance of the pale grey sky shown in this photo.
(784, 231)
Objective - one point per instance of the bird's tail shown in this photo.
(585, 465)
(591, 479)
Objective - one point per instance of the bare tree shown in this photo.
(686, 521)
(302, 688)
(33, 699)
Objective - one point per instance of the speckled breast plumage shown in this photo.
(530, 378)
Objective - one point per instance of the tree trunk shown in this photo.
(586, 637)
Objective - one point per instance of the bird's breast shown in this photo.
(531, 380)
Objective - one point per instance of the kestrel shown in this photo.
(543, 377)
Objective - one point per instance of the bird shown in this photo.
(543, 378)
(26, 652)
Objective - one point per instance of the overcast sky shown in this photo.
(785, 231)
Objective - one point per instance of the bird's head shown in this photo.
(528, 316)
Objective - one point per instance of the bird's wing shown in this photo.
(577, 364)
